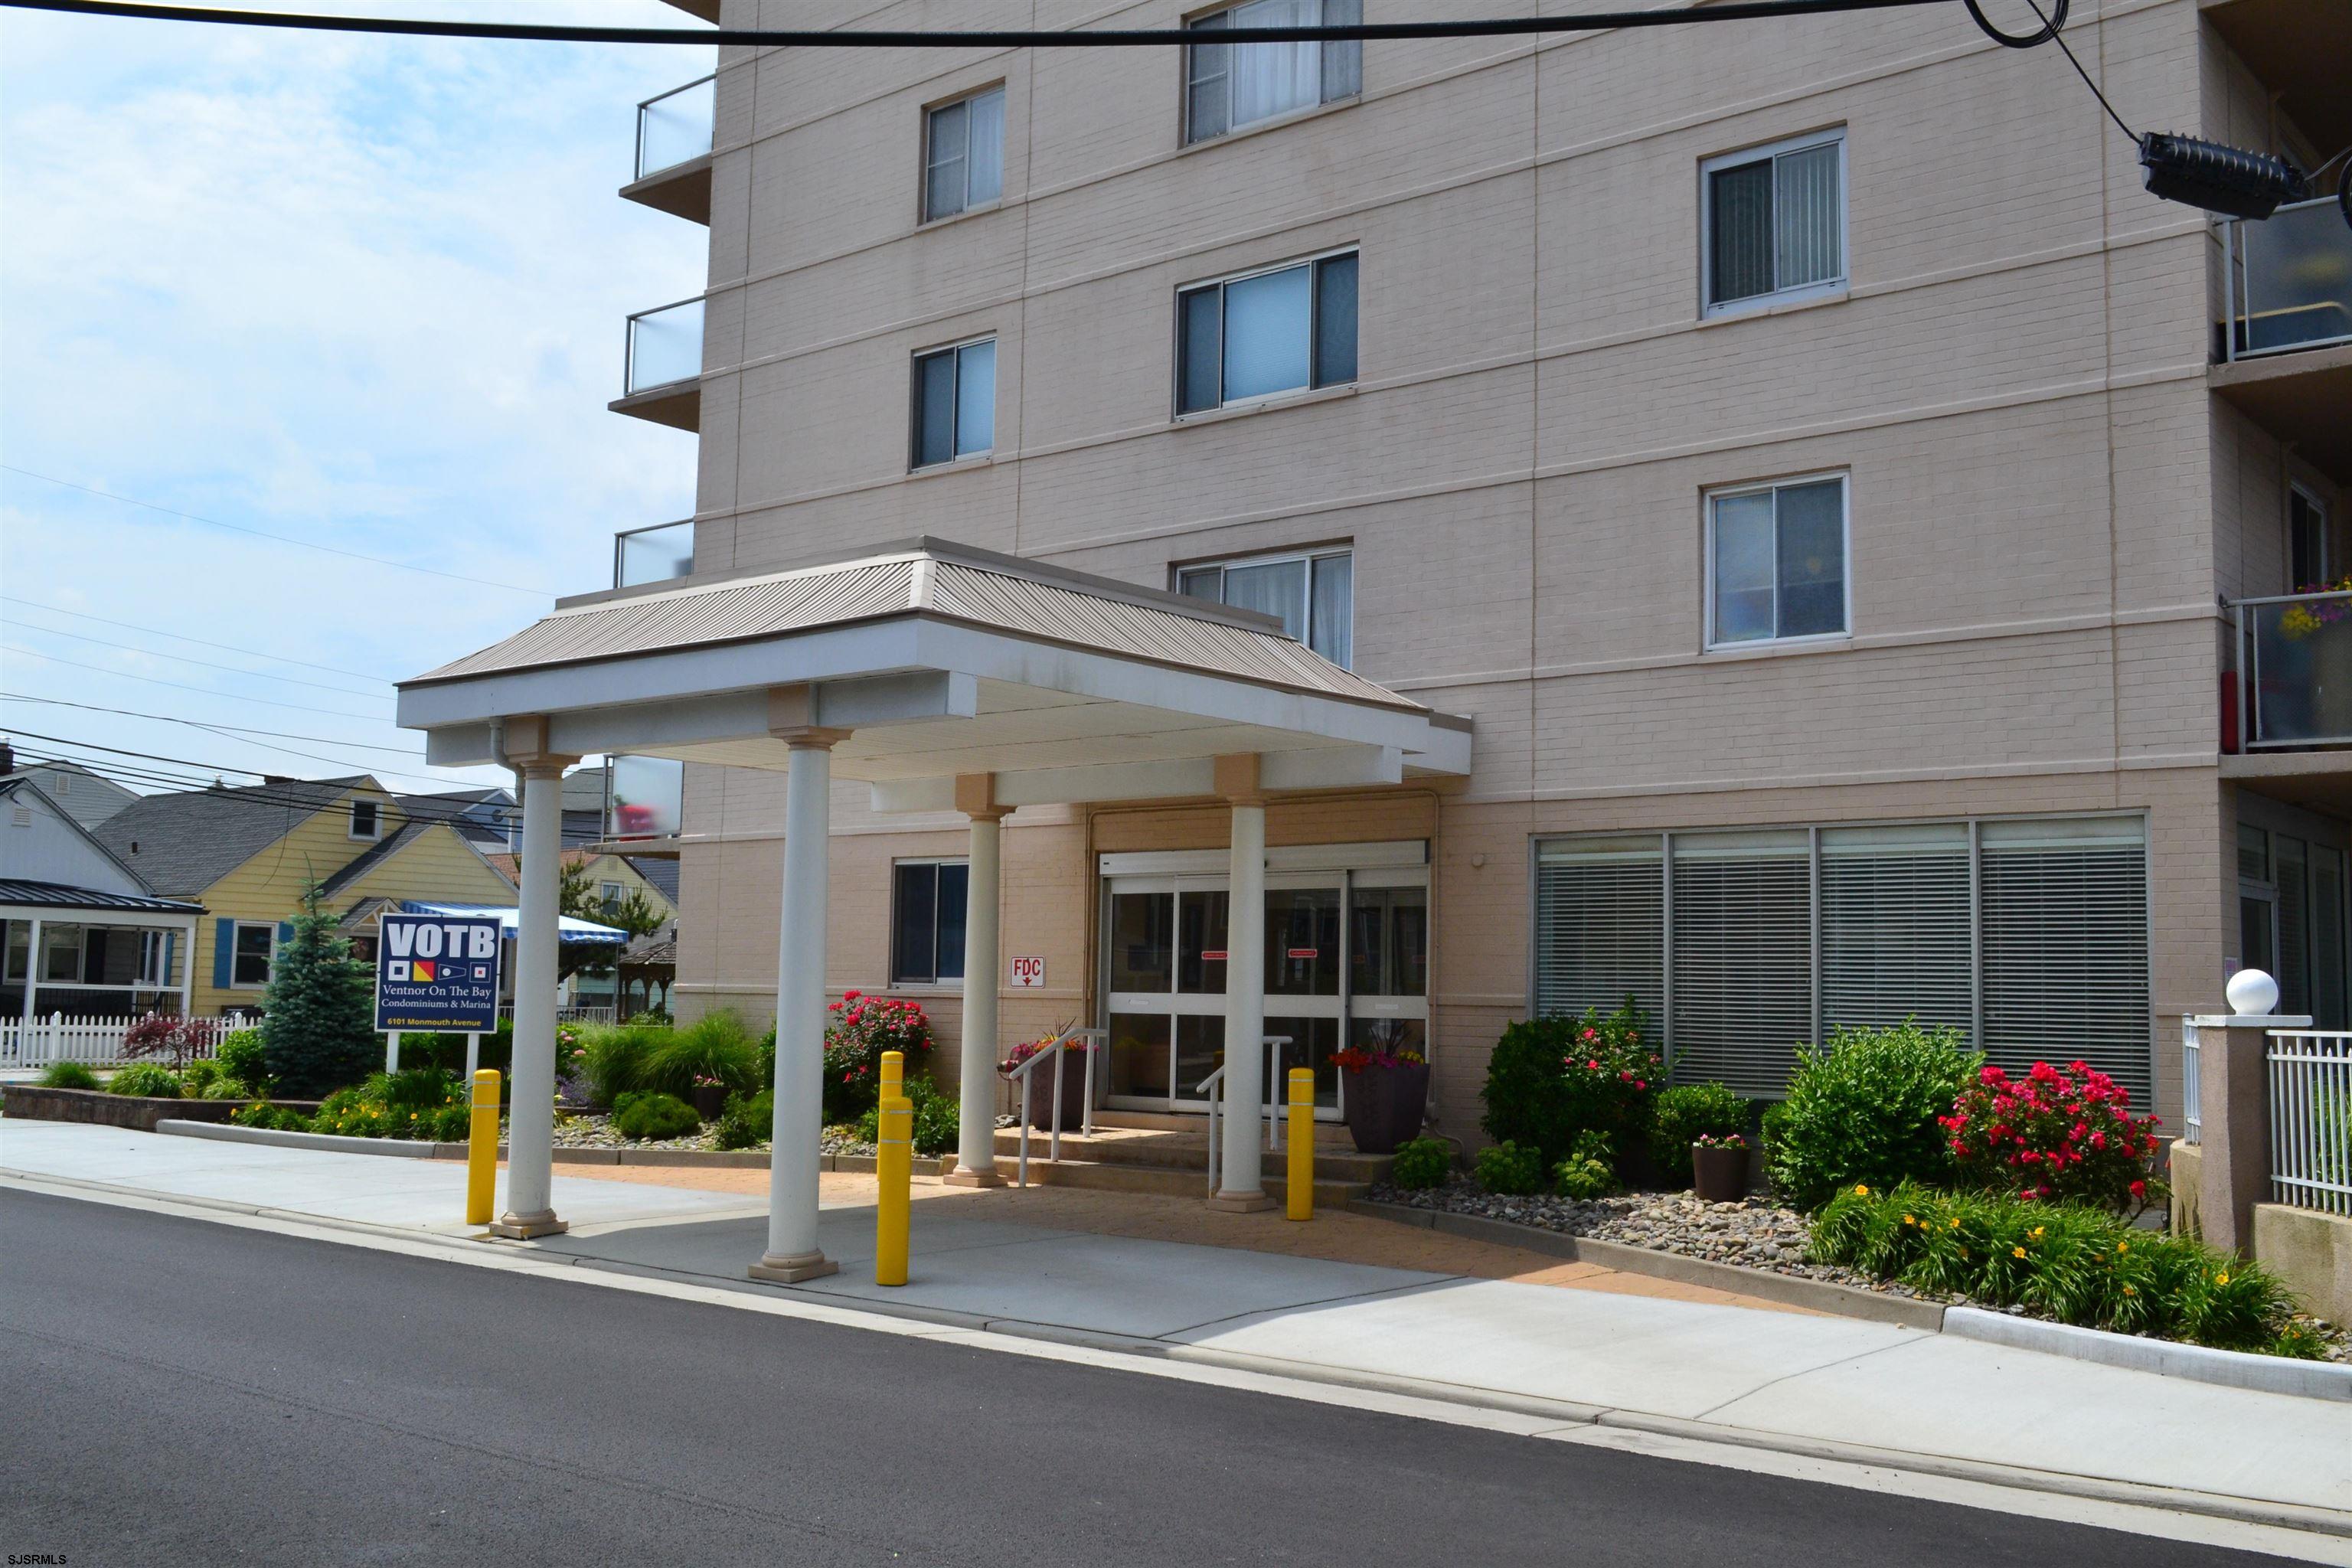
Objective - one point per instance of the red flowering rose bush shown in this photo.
(1551, 1079)
(2054, 1133)
(857, 1029)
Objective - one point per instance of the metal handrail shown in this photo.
(1216, 1086)
(621, 548)
(2237, 291)
(1096, 1040)
(2249, 672)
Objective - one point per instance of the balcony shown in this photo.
(663, 378)
(2288, 345)
(673, 168)
(655, 554)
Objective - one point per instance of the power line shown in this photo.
(183, 686)
(1047, 38)
(182, 637)
(262, 532)
(204, 663)
(241, 733)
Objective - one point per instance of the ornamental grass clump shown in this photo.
(67, 1075)
(2069, 1262)
(2064, 1133)
(145, 1079)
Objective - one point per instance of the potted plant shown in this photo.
(1073, 1068)
(1387, 1093)
(1720, 1167)
(709, 1096)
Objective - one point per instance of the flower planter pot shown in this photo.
(1385, 1105)
(708, 1100)
(1073, 1094)
(1720, 1176)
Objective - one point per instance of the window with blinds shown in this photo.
(2029, 936)
(1775, 222)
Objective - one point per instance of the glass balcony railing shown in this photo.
(2290, 280)
(648, 798)
(652, 554)
(674, 126)
(2294, 656)
(665, 346)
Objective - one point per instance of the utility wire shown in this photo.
(240, 733)
(202, 663)
(262, 532)
(200, 642)
(203, 690)
(1044, 38)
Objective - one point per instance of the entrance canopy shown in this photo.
(938, 660)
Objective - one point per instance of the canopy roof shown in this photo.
(939, 660)
(570, 928)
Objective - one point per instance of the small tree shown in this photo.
(180, 1040)
(319, 1032)
(576, 895)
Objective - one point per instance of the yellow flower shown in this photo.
(2123, 1247)
(2221, 1279)
(1860, 1190)
(2016, 1252)
(1955, 1221)
(2129, 1290)
(1908, 1220)
(2035, 1233)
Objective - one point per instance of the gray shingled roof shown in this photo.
(383, 850)
(661, 873)
(182, 843)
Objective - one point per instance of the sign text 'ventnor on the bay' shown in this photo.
(438, 972)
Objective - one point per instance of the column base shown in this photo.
(792, 1270)
(955, 1175)
(1242, 1200)
(524, 1226)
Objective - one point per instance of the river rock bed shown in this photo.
(595, 1131)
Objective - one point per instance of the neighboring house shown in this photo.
(612, 879)
(87, 798)
(246, 854)
(484, 817)
(82, 935)
(1825, 490)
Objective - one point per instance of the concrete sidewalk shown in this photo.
(1775, 1378)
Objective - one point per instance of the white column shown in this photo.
(1243, 1187)
(976, 1132)
(793, 1252)
(33, 975)
(188, 974)
(530, 1119)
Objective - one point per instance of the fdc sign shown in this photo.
(438, 972)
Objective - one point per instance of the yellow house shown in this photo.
(246, 854)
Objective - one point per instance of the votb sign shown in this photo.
(439, 973)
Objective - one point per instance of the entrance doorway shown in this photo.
(1347, 958)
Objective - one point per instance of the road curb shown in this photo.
(1564, 1415)
(2233, 1369)
(418, 1148)
(398, 1148)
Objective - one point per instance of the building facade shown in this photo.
(1829, 485)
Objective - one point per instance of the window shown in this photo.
(608, 894)
(2308, 564)
(963, 154)
(1228, 86)
(1776, 562)
(1740, 944)
(955, 402)
(1772, 222)
(1264, 333)
(61, 783)
(1313, 593)
(927, 909)
(364, 821)
(254, 946)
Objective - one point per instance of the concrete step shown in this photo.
(1184, 1150)
(1162, 1180)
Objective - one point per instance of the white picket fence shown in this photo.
(2311, 1119)
(94, 1042)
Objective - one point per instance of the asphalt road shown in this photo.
(185, 1393)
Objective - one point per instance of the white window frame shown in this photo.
(915, 464)
(1846, 567)
(1307, 557)
(1313, 312)
(610, 893)
(923, 196)
(1709, 306)
(376, 821)
(236, 950)
(155, 974)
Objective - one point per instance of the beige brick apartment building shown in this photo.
(1822, 478)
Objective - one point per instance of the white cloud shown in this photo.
(366, 291)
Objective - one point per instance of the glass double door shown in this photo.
(1347, 958)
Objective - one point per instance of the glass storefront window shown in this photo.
(1201, 943)
(1302, 942)
(1142, 942)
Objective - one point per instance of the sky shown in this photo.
(365, 292)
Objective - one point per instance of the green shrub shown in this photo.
(448, 1124)
(1549, 1079)
(1588, 1171)
(746, 1120)
(144, 1078)
(68, 1074)
(1513, 1170)
(938, 1119)
(1685, 1113)
(319, 1033)
(2070, 1262)
(1424, 1162)
(243, 1056)
(199, 1076)
(715, 1045)
(1863, 1109)
(654, 1115)
(223, 1086)
(415, 1088)
(351, 1113)
(277, 1117)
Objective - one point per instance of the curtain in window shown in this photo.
(1808, 246)
(1207, 100)
(1343, 63)
(1266, 334)
(1335, 320)
(975, 429)
(1276, 588)
(986, 148)
(1331, 621)
(1275, 79)
(1740, 231)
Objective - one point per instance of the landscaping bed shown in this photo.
(137, 1112)
(595, 1130)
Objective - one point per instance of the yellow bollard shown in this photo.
(482, 1149)
(894, 1173)
(893, 1074)
(1300, 1189)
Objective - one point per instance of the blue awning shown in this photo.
(572, 929)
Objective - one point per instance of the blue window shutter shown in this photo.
(285, 934)
(223, 954)
(170, 937)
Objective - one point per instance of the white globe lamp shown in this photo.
(2253, 994)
